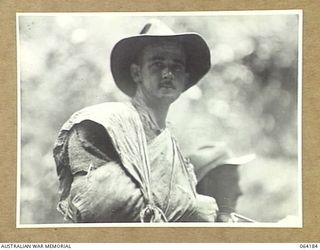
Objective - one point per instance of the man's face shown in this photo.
(162, 72)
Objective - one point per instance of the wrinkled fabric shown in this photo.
(123, 124)
(152, 178)
(106, 194)
(101, 190)
(173, 184)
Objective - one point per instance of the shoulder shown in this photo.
(90, 131)
(105, 109)
(101, 114)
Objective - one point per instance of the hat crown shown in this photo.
(156, 27)
(212, 154)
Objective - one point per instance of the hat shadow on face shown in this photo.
(222, 183)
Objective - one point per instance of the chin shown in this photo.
(169, 98)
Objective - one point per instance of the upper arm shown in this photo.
(95, 136)
(89, 145)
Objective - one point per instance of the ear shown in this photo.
(135, 73)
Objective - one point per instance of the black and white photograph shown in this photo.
(183, 119)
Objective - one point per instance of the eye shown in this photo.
(157, 64)
(178, 67)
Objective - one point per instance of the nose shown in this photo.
(166, 73)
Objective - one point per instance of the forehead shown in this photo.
(164, 50)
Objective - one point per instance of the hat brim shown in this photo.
(126, 51)
(240, 160)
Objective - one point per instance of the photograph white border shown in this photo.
(298, 12)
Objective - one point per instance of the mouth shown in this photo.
(167, 85)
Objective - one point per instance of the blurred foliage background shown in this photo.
(248, 100)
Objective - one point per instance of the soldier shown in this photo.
(218, 176)
(117, 162)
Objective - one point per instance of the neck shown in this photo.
(160, 113)
(157, 110)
